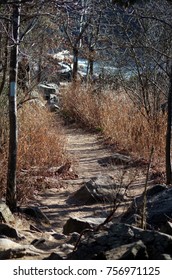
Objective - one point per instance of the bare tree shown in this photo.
(13, 137)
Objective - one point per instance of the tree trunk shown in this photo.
(75, 63)
(41, 49)
(5, 59)
(168, 133)
(91, 62)
(13, 136)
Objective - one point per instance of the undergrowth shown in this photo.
(123, 124)
(41, 144)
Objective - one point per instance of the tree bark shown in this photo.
(11, 199)
(168, 133)
(4, 68)
(75, 63)
(91, 62)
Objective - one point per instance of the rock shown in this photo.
(66, 248)
(78, 224)
(10, 249)
(133, 251)
(59, 236)
(157, 243)
(49, 89)
(5, 255)
(156, 189)
(6, 244)
(136, 251)
(122, 241)
(9, 231)
(115, 159)
(166, 228)
(37, 242)
(54, 256)
(35, 213)
(44, 244)
(158, 207)
(99, 189)
(5, 213)
(17, 253)
(74, 236)
(165, 257)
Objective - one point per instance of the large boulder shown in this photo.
(99, 189)
(158, 206)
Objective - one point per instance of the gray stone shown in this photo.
(133, 251)
(37, 242)
(158, 207)
(59, 236)
(45, 244)
(5, 213)
(66, 248)
(136, 251)
(115, 159)
(6, 244)
(79, 224)
(49, 89)
(166, 228)
(74, 236)
(156, 189)
(17, 249)
(146, 244)
(99, 189)
(9, 231)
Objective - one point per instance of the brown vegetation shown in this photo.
(41, 144)
(123, 124)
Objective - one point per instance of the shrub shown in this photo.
(41, 143)
(113, 113)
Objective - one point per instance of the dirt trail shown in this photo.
(87, 151)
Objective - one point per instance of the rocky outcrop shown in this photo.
(122, 241)
(93, 237)
(99, 189)
(158, 206)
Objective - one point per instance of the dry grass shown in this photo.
(41, 144)
(122, 124)
(41, 140)
(81, 105)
